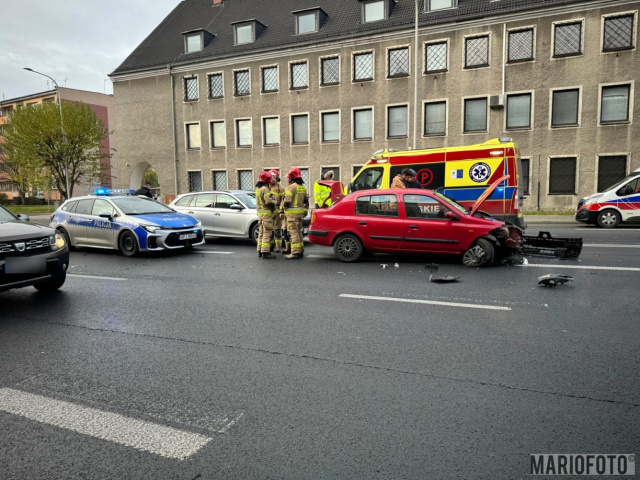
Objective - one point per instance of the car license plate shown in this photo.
(25, 264)
(188, 236)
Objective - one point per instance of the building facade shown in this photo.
(223, 89)
(104, 108)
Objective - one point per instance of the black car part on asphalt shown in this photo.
(545, 245)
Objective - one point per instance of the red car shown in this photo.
(413, 221)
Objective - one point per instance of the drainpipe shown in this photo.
(504, 58)
(415, 80)
(173, 125)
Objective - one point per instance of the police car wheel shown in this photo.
(67, 239)
(348, 248)
(608, 219)
(480, 254)
(128, 244)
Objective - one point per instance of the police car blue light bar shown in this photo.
(107, 191)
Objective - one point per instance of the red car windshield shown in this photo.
(451, 203)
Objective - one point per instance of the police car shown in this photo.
(120, 220)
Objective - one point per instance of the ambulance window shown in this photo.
(368, 179)
(423, 206)
(630, 188)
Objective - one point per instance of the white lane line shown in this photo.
(428, 302)
(327, 255)
(219, 253)
(609, 245)
(582, 267)
(149, 437)
(115, 279)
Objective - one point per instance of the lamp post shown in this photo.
(66, 175)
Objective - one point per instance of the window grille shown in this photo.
(299, 75)
(436, 58)
(477, 52)
(399, 62)
(562, 176)
(191, 89)
(330, 71)
(195, 181)
(242, 82)
(304, 174)
(521, 45)
(568, 38)
(611, 169)
(363, 66)
(245, 180)
(618, 33)
(219, 180)
(215, 86)
(270, 79)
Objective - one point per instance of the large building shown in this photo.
(224, 88)
(103, 106)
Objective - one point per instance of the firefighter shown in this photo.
(266, 206)
(277, 191)
(322, 193)
(296, 205)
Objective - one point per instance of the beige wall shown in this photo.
(143, 107)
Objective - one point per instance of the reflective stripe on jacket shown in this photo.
(320, 194)
(264, 201)
(296, 196)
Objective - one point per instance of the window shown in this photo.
(190, 89)
(397, 121)
(363, 67)
(520, 46)
(330, 126)
(335, 170)
(564, 109)
(241, 81)
(562, 176)
(195, 181)
(244, 33)
(518, 111)
(330, 71)
(84, 207)
(185, 201)
(299, 75)
(243, 133)
(373, 11)
(204, 200)
(525, 175)
(193, 43)
(225, 201)
(476, 52)
(215, 86)
(219, 180)
(355, 169)
(218, 134)
(306, 23)
(475, 115)
(398, 62)
(100, 205)
(193, 136)
(435, 119)
(368, 179)
(299, 129)
(611, 169)
(424, 207)
(379, 205)
(271, 131)
(567, 39)
(431, 5)
(270, 79)
(618, 33)
(245, 180)
(615, 104)
(304, 174)
(363, 124)
(436, 57)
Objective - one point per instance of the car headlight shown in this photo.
(198, 225)
(56, 241)
(150, 228)
(591, 200)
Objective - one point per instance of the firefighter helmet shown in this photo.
(265, 177)
(294, 173)
(275, 174)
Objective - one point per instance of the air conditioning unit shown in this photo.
(496, 101)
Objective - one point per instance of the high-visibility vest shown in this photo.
(321, 193)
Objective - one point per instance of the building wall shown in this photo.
(143, 105)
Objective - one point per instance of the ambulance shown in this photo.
(619, 203)
(460, 173)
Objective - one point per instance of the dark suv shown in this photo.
(30, 254)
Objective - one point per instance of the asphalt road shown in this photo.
(215, 364)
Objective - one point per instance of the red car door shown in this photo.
(431, 227)
(378, 223)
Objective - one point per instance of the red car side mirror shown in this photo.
(452, 216)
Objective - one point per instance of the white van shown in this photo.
(620, 203)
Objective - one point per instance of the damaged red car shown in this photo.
(414, 221)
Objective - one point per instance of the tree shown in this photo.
(34, 137)
(151, 177)
(25, 172)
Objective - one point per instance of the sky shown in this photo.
(76, 42)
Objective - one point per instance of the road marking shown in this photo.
(149, 437)
(115, 279)
(219, 253)
(326, 255)
(428, 302)
(609, 245)
(582, 267)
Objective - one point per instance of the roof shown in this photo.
(165, 45)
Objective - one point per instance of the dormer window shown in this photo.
(431, 5)
(193, 42)
(247, 32)
(309, 21)
(374, 11)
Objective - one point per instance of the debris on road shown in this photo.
(433, 268)
(545, 245)
(396, 265)
(384, 265)
(553, 279)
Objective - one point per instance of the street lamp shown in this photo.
(66, 175)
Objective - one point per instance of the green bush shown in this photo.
(4, 199)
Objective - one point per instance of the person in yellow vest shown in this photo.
(321, 193)
(296, 205)
(277, 191)
(265, 204)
